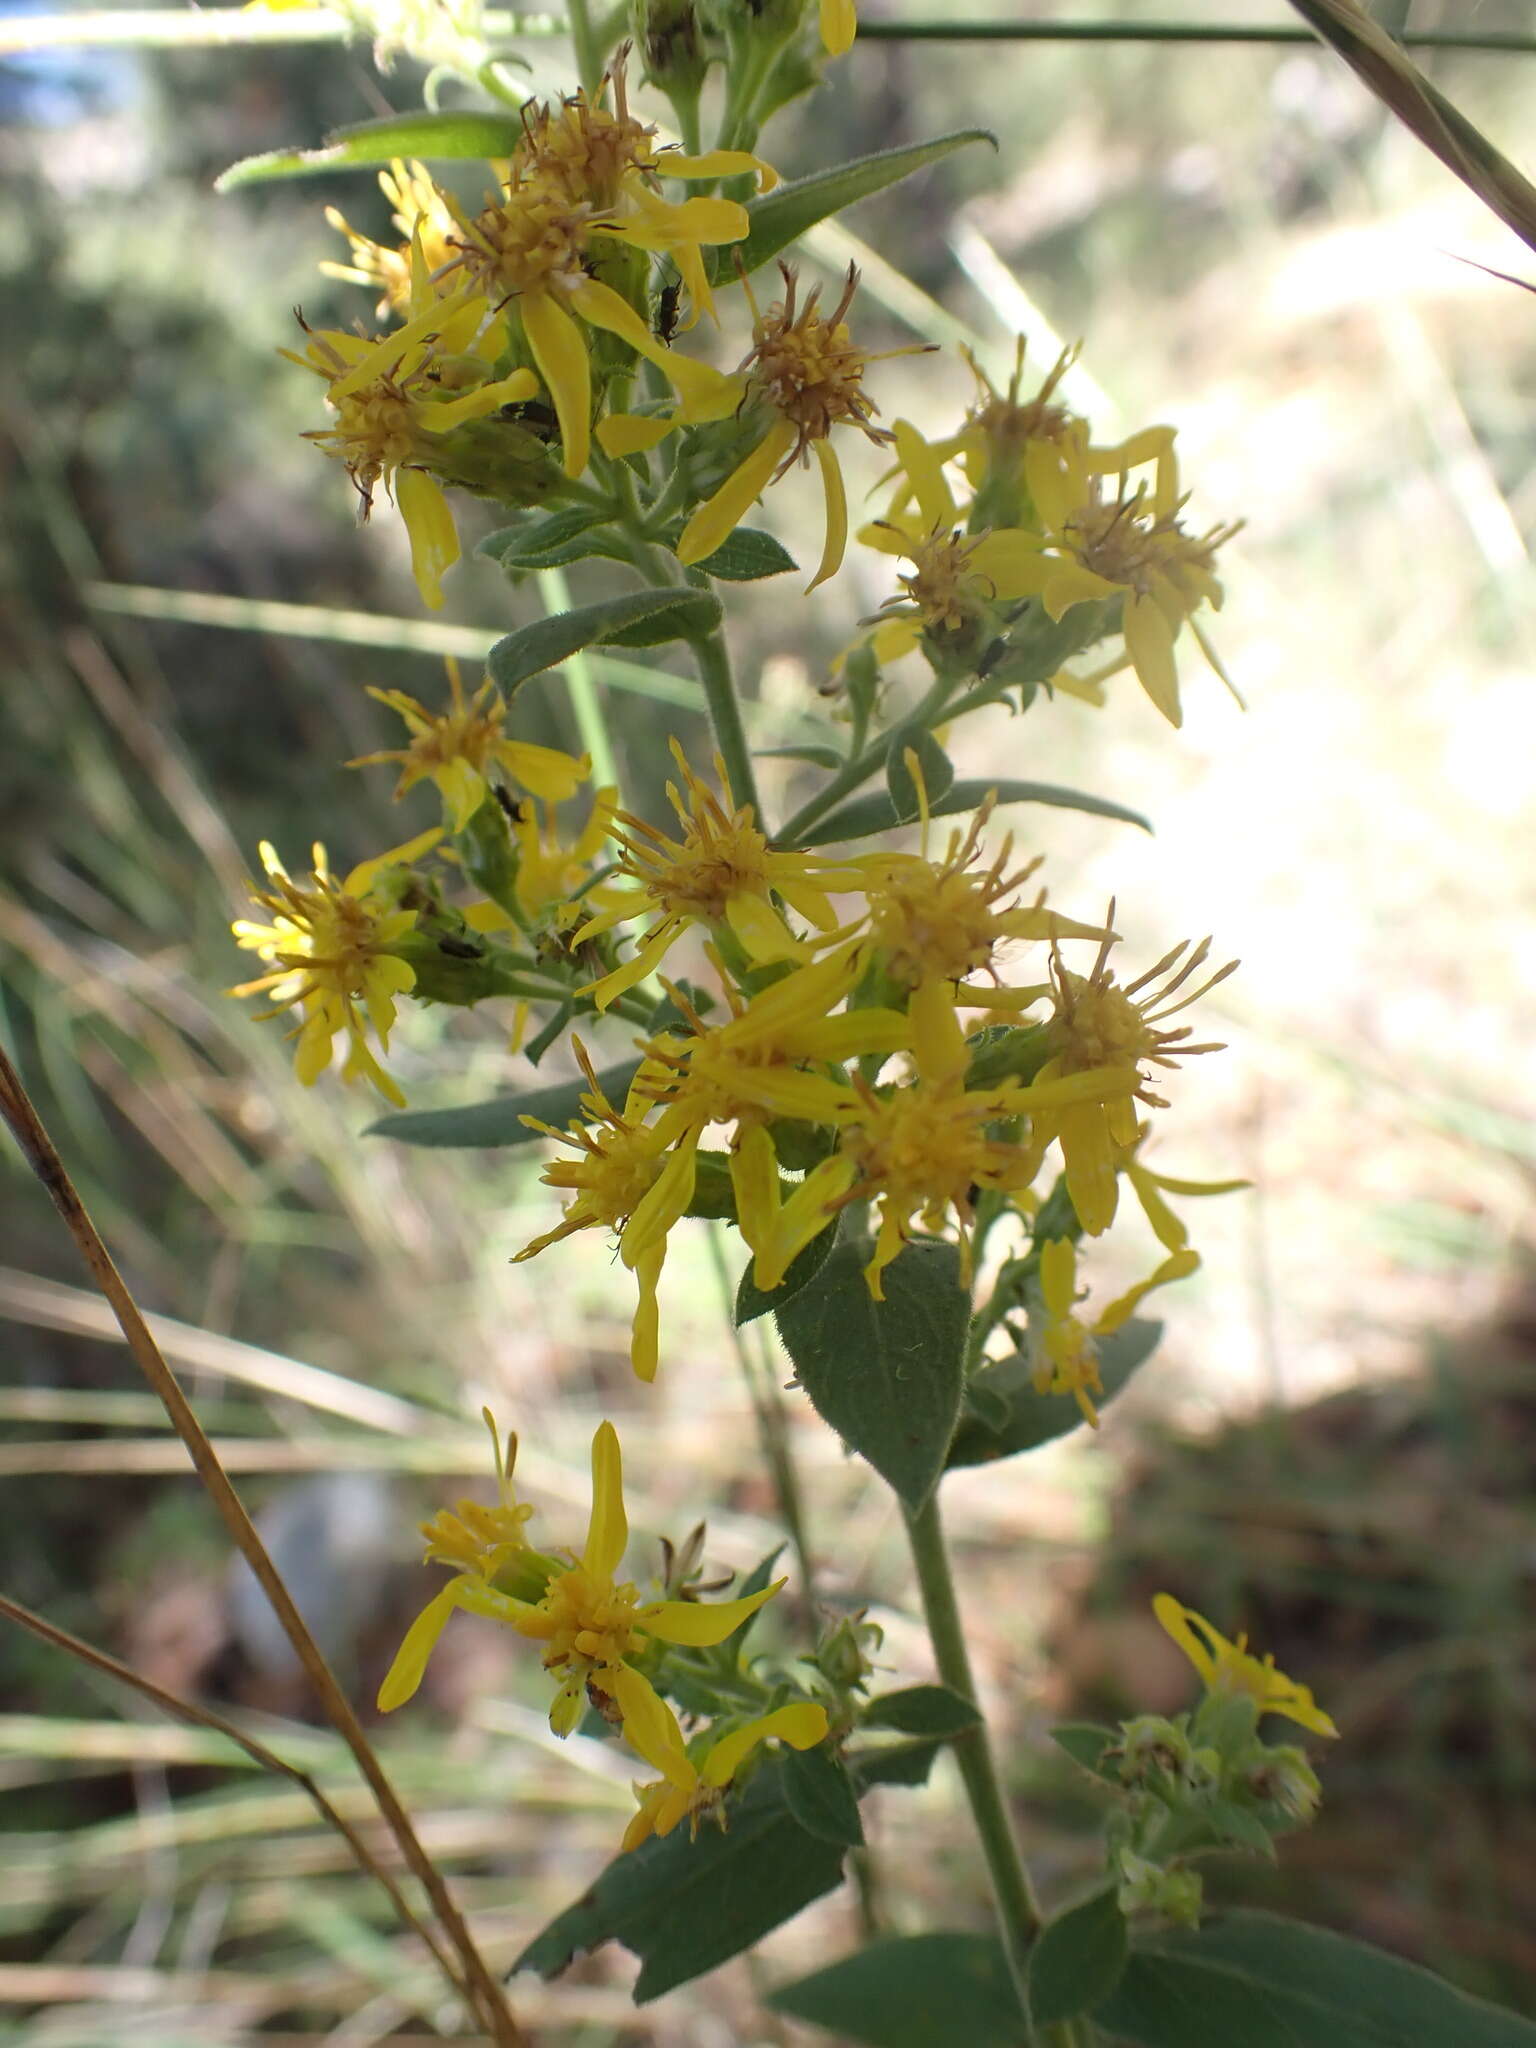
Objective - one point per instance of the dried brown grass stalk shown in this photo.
(1400, 85)
(484, 1994)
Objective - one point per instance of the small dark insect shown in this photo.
(535, 417)
(516, 812)
(459, 948)
(668, 306)
(605, 1704)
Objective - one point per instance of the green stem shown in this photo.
(867, 761)
(581, 686)
(714, 664)
(1018, 1915)
(585, 47)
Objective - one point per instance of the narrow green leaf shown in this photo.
(781, 216)
(744, 556)
(425, 135)
(637, 618)
(819, 757)
(753, 1301)
(922, 1710)
(885, 1374)
(684, 1906)
(875, 812)
(1029, 1419)
(1235, 1824)
(532, 542)
(913, 1991)
(499, 1121)
(1085, 1742)
(934, 765)
(1077, 1960)
(1267, 1982)
(819, 1794)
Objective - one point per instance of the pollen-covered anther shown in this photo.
(808, 367)
(1101, 1023)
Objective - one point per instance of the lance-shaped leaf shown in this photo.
(1004, 1415)
(500, 1121)
(877, 812)
(886, 1375)
(423, 135)
(1077, 1959)
(783, 215)
(934, 767)
(746, 555)
(637, 618)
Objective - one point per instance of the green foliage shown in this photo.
(551, 540)
(1077, 1959)
(431, 137)
(877, 812)
(745, 556)
(783, 215)
(886, 1375)
(1085, 1742)
(916, 1991)
(637, 618)
(684, 1907)
(1003, 1415)
(935, 766)
(500, 1121)
(753, 1301)
(1266, 1982)
(923, 1710)
(820, 1794)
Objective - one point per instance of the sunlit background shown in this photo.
(1335, 1445)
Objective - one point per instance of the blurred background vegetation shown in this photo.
(1337, 1446)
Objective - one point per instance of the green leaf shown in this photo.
(746, 555)
(1244, 1830)
(1077, 1960)
(685, 1906)
(875, 812)
(820, 1795)
(781, 216)
(913, 1991)
(1032, 1419)
(423, 135)
(637, 618)
(885, 1374)
(893, 1763)
(935, 766)
(753, 1301)
(499, 1121)
(922, 1710)
(1085, 1742)
(818, 756)
(550, 541)
(1267, 1982)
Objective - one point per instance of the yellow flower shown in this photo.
(475, 1540)
(331, 950)
(1229, 1668)
(625, 1171)
(1066, 1348)
(1130, 547)
(839, 26)
(688, 1789)
(1098, 1023)
(807, 372)
(926, 1149)
(721, 871)
(589, 1623)
(420, 214)
(457, 749)
(395, 397)
(584, 180)
(1001, 427)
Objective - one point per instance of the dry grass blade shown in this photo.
(204, 1717)
(485, 1994)
(1398, 83)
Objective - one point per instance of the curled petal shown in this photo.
(802, 1725)
(698, 1625)
(836, 495)
(405, 1674)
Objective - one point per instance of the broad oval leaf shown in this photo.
(922, 1710)
(886, 1375)
(1077, 1960)
(424, 135)
(781, 216)
(637, 618)
(746, 555)
(933, 764)
(913, 1991)
(820, 1795)
(500, 1121)
(753, 1301)
(875, 812)
(1004, 1415)
(1269, 1982)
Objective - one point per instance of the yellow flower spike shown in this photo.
(688, 1791)
(1226, 1667)
(329, 947)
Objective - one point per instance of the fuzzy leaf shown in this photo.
(753, 1301)
(744, 556)
(499, 1121)
(1003, 1415)
(875, 812)
(1268, 1982)
(637, 618)
(886, 1375)
(425, 135)
(550, 541)
(781, 216)
(1077, 1960)
(913, 1991)
(922, 1710)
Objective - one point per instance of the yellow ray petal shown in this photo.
(561, 354)
(608, 1530)
(699, 1624)
(836, 495)
(720, 515)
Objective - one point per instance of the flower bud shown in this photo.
(1146, 1887)
(1283, 1777)
(841, 1653)
(670, 38)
